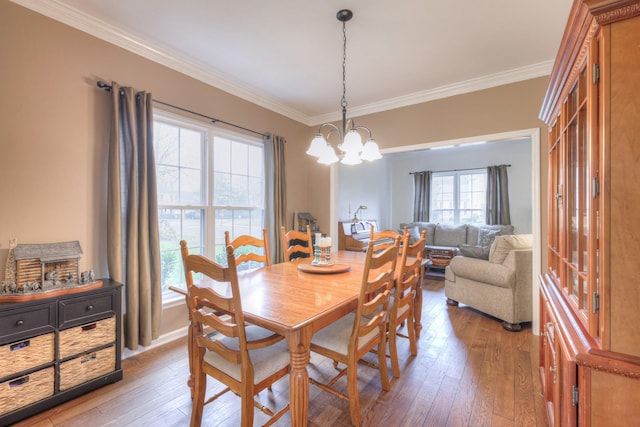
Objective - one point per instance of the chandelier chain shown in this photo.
(343, 103)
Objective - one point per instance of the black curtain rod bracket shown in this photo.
(107, 87)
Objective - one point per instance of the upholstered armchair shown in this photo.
(500, 285)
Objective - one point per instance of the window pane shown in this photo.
(190, 148)
(256, 192)
(241, 222)
(458, 197)
(192, 226)
(190, 187)
(256, 161)
(224, 222)
(167, 179)
(222, 189)
(166, 145)
(239, 158)
(222, 155)
(240, 193)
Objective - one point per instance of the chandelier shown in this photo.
(352, 150)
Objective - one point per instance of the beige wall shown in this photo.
(54, 130)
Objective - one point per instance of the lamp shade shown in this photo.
(328, 155)
(352, 142)
(370, 151)
(318, 146)
(351, 158)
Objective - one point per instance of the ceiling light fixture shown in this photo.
(354, 152)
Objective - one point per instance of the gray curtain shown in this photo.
(275, 212)
(498, 195)
(133, 244)
(421, 195)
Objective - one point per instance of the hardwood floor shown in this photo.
(469, 372)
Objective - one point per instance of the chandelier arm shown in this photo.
(335, 128)
(365, 128)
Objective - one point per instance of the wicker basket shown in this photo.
(25, 390)
(86, 337)
(87, 367)
(26, 354)
(439, 261)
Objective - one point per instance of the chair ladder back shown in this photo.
(211, 310)
(297, 251)
(375, 289)
(384, 239)
(253, 245)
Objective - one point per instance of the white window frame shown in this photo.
(208, 230)
(456, 174)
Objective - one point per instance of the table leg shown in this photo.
(299, 344)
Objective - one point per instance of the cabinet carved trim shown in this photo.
(603, 16)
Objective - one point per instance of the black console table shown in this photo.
(53, 349)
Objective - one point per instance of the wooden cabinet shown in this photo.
(55, 349)
(590, 326)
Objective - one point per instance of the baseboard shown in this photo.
(162, 340)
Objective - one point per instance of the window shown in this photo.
(209, 180)
(458, 197)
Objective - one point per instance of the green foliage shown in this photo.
(170, 268)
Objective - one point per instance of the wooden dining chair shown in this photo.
(245, 358)
(250, 249)
(351, 337)
(384, 239)
(403, 300)
(297, 245)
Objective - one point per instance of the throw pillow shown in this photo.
(504, 244)
(414, 232)
(486, 236)
(474, 251)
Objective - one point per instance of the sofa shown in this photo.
(456, 237)
(499, 285)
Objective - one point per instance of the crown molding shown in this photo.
(188, 66)
(65, 14)
(485, 82)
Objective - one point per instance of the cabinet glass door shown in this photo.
(555, 202)
(577, 195)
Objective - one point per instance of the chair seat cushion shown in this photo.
(335, 337)
(265, 361)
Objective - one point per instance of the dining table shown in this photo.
(296, 304)
(295, 299)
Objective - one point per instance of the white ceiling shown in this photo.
(286, 55)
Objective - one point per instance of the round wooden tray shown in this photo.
(323, 268)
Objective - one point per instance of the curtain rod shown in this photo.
(105, 86)
(456, 170)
